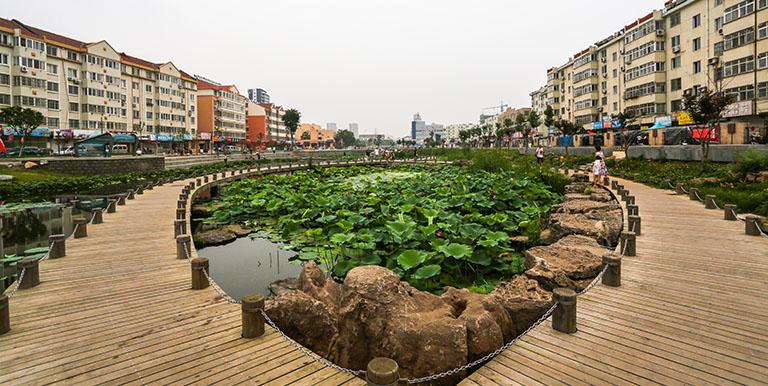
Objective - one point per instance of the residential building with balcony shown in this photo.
(277, 133)
(221, 112)
(256, 125)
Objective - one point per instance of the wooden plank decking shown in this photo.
(691, 310)
(118, 309)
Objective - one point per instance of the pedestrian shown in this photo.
(598, 168)
(599, 152)
(540, 154)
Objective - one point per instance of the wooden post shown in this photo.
(709, 201)
(183, 246)
(179, 227)
(216, 177)
(382, 372)
(679, 189)
(111, 205)
(253, 320)
(630, 200)
(199, 281)
(5, 315)
(612, 275)
(752, 225)
(81, 228)
(624, 193)
(628, 246)
(98, 215)
(633, 224)
(205, 179)
(58, 246)
(614, 184)
(181, 204)
(199, 181)
(181, 214)
(131, 195)
(692, 194)
(140, 190)
(564, 316)
(606, 180)
(633, 210)
(729, 212)
(31, 273)
(121, 199)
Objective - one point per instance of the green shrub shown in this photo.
(751, 161)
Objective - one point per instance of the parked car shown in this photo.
(120, 149)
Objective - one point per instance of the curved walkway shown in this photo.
(118, 309)
(691, 310)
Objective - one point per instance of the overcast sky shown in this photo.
(374, 62)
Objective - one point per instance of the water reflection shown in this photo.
(248, 265)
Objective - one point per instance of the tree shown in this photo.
(549, 116)
(23, 120)
(625, 119)
(707, 107)
(464, 136)
(291, 120)
(508, 131)
(344, 139)
(534, 120)
(305, 136)
(566, 127)
(520, 123)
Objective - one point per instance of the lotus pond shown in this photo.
(433, 226)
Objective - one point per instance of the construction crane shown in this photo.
(501, 107)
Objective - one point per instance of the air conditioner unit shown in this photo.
(659, 32)
(75, 81)
(676, 49)
(23, 69)
(687, 92)
(713, 61)
(621, 51)
(623, 69)
(720, 31)
(603, 59)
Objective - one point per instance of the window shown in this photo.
(641, 31)
(674, 19)
(696, 44)
(3, 58)
(646, 109)
(615, 90)
(74, 124)
(739, 10)
(676, 62)
(72, 89)
(643, 70)
(53, 86)
(738, 66)
(697, 67)
(676, 41)
(614, 56)
(718, 48)
(643, 50)
(135, 85)
(762, 61)
(762, 30)
(53, 123)
(52, 68)
(29, 62)
(644, 89)
(72, 73)
(73, 106)
(73, 56)
(675, 84)
(743, 93)
(615, 73)
(718, 23)
(5, 79)
(738, 39)
(718, 2)
(696, 20)
(762, 90)
(53, 104)
(676, 105)
(148, 88)
(149, 115)
(51, 50)
(5, 99)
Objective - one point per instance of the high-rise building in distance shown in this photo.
(331, 126)
(355, 129)
(258, 95)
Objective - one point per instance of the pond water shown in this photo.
(247, 265)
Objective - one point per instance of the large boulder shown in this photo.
(381, 316)
(488, 323)
(586, 206)
(603, 225)
(571, 262)
(308, 321)
(524, 300)
(214, 237)
(314, 282)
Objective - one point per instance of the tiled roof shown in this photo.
(203, 85)
(49, 35)
(132, 59)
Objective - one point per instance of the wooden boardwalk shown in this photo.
(118, 309)
(692, 309)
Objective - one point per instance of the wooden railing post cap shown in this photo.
(382, 371)
(253, 302)
(611, 259)
(183, 238)
(200, 262)
(565, 296)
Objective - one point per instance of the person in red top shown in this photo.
(3, 150)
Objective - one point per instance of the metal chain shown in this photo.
(18, 283)
(485, 358)
(211, 282)
(696, 192)
(308, 352)
(595, 281)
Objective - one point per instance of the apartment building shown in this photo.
(86, 88)
(256, 125)
(650, 64)
(277, 133)
(221, 113)
(313, 135)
